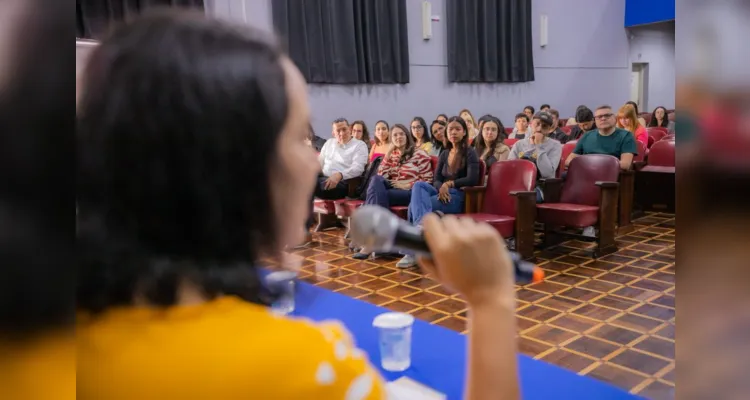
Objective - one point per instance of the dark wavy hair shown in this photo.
(173, 174)
(410, 144)
(654, 122)
(460, 159)
(365, 132)
(426, 137)
(479, 143)
(435, 142)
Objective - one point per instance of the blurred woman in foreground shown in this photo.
(177, 207)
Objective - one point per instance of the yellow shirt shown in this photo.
(222, 349)
(41, 369)
(426, 146)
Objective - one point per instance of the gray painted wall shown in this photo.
(585, 62)
(655, 44)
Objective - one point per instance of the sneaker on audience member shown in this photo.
(510, 242)
(589, 231)
(407, 261)
(361, 256)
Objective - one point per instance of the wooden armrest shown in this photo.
(523, 193)
(607, 185)
(474, 189)
(637, 165)
(474, 199)
(552, 188)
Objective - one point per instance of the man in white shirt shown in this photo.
(342, 157)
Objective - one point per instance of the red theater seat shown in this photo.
(510, 142)
(655, 182)
(508, 130)
(588, 197)
(326, 209)
(657, 133)
(646, 117)
(566, 129)
(566, 150)
(507, 202)
(641, 152)
(662, 154)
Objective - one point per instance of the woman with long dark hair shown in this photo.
(421, 134)
(360, 132)
(489, 144)
(659, 118)
(177, 205)
(458, 166)
(439, 139)
(382, 140)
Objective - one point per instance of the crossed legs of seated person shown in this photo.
(424, 200)
(382, 193)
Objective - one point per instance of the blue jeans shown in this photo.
(539, 195)
(424, 200)
(380, 192)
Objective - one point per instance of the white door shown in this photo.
(636, 85)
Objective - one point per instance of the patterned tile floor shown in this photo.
(612, 319)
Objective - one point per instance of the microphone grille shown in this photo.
(374, 228)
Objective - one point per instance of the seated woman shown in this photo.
(471, 123)
(637, 113)
(489, 145)
(439, 140)
(442, 117)
(360, 132)
(421, 134)
(382, 140)
(659, 118)
(627, 119)
(457, 167)
(402, 167)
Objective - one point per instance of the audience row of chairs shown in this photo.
(595, 193)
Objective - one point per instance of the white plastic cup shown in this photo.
(281, 283)
(394, 340)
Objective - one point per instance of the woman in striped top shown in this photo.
(402, 166)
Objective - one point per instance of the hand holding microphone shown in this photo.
(468, 257)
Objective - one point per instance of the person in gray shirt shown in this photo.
(538, 148)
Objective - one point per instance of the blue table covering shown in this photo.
(438, 354)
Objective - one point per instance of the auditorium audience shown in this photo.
(403, 166)
(557, 133)
(607, 138)
(659, 118)
(635, 106)
(421, 134)
(538, 148)
(584, 123)
(521, 128)
(489, 144)
(439, 139)
(545, 107)
(627, 119)
(313, 140)
(457, 167)
(360, 131)
(382, 140)
(442, 117)
(471, 124)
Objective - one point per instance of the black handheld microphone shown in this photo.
(377, 229)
